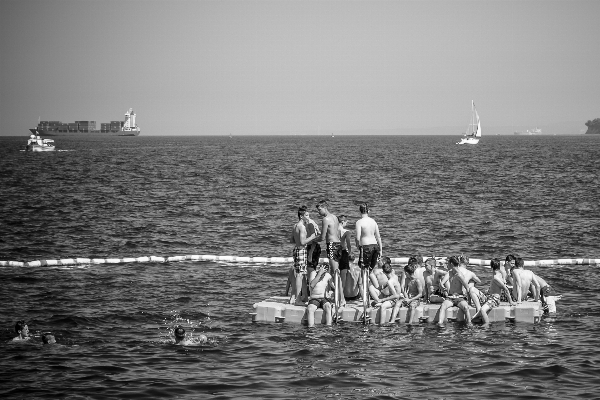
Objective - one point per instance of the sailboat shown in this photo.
(332, 135)
(474, 129)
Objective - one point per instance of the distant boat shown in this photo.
(36, 143)
(536, 131)
(230, 137)
(473, 132)
(332, 135)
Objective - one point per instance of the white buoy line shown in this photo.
(261, 260)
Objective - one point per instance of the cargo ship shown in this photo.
(127, 127)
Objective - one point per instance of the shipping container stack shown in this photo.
(115, 126)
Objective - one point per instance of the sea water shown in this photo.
(117, 197)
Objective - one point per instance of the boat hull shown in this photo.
(37, 147)
(469, 140)
(92, 133)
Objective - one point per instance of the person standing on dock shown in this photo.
(367, 239)
(300, 292)
(330, 233)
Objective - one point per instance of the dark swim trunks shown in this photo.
(344, 260)
(369, 255)
(316, 253)
(455, 299)
(334, 251)
(352, 298)
(319, 302)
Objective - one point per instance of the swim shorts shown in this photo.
(300, 260)
(314, 251)
(318, 302)
(334, 251)
(455, 299)
(503, 294)
(440, 293)
(493, 301)
(352, 298)
(345, 260)
(481, 296)
(369, 255)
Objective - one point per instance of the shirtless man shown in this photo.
(367, 239)
(436, 281)
(414, 292)
(320, 283)
(330, 233)
(22, 331)
(384, 288)
(492, 298)
(522, 280)
(300, 258)
(459, 285)
(349, 274)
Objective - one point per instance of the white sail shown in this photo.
(473, 132)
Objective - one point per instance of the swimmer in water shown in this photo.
(180, 338)
(22, 331)
(48, 339)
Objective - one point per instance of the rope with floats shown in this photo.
(259, 260)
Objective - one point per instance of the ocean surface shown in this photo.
(117, 197)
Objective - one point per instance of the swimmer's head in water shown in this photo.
(179, 332)
(48, 339)
(20, 325)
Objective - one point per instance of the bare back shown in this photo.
(331, 229)
(367, 231)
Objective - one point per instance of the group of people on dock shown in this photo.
(374, 282)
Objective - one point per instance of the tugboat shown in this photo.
(36, 143)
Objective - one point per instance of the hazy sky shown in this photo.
(215, 67)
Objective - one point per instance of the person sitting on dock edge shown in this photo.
(492, 298)
(384, 287)
(436, 282)
(320, 284)
(457, 294)
(414, 292)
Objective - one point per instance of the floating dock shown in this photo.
(278, 309)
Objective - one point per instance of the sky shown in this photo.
(293, 67)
